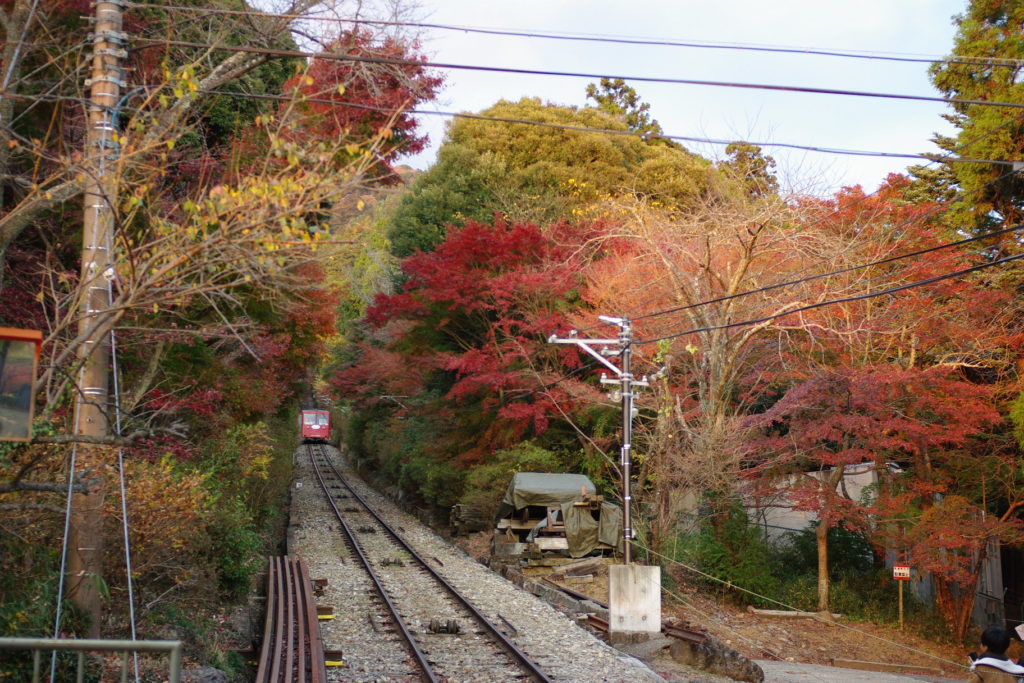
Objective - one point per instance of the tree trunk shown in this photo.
(955, 600)
(821, 533)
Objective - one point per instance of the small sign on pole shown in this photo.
(901, 572)
(19, 359)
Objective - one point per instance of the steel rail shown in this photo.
(318, 672)
(524, 661)
(268, 620)
(291, 632)
(410, 640)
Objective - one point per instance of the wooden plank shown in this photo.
(516, 524)
(789, 614)
(885, 667)
(552, 542)
(587, 565)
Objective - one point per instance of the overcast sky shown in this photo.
(905, 27)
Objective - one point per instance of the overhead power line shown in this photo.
(930, 212)
(614, 131)
(848, 299)
(831, 273)
(616, 40)
(343, 57)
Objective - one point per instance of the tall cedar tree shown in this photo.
(985, 65)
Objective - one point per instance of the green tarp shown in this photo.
(544, 489)
(583, 532)
(560, 490)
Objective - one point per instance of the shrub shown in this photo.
(729, 549)
(848, 552)
(486, 483)
(237, 548)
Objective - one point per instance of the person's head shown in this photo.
(995, 639)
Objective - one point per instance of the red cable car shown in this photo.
(314, 426)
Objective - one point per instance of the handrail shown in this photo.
(172, 647)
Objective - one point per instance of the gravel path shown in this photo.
(565, 651)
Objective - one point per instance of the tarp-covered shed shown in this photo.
(544, 489)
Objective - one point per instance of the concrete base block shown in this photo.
(634, 598)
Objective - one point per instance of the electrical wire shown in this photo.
(365, 59)
(606, 39)
(123, 489)
(840, 271)
(612, 131)
(72, 464)
(931, 212)
(889, 275)
(820, 304)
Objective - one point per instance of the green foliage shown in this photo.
(849, 552)
(1017, 418)
(27, 603)
(248, 471)
(991, 197)
(728, 548)
(870, 596)
(538, 174)
(751, 168)
(486, 483)
(237, 548)
(462, 185)
(614, 97)
(786, 574)
(435, 482)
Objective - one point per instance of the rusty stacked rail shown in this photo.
(292, 648)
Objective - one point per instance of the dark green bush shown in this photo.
(732, 551)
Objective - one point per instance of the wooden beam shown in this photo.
(886, 667)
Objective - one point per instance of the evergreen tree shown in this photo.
(616, 98)
(986, 65)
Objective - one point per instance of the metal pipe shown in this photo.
(626, 460)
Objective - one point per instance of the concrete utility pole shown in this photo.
(85, 557)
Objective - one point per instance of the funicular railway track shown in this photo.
(445, 636)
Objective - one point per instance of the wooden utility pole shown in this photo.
(85, 551)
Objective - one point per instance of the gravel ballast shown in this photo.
(564, 650)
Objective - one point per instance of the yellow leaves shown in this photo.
(360, 205)
(308, 80)
(341, 89)
(692, 349)
(170, 144)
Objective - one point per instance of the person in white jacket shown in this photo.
(993, 666)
